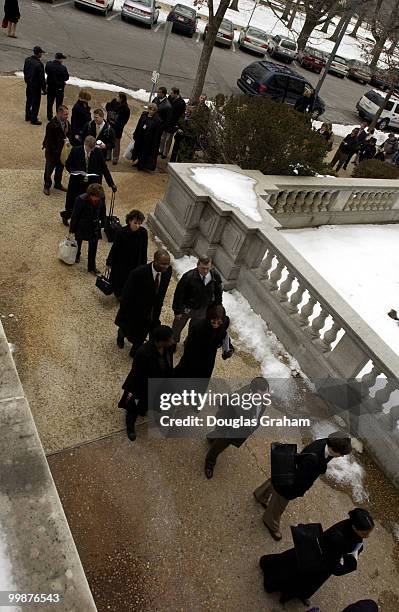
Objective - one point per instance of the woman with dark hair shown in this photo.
(364, 605)
(204, 338)
(11, 17)
(81, 116)
(128, 250)
(118, 114)
(88, 217)
(342, 544)
(147, 138)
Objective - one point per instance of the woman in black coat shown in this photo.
(88, 217)
(342, 544)
(81, 116)
(128, 250)
(12, 16)
(118, 114)
(147, 138)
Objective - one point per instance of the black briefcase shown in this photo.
(112, 224)
(309, 547)
(283, 465)
(104, 284)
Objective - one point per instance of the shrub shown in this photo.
(259, 134)
(374, 168)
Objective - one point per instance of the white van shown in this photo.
(369, 104)
(102, 6)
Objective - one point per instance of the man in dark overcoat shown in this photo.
(57, 76)
(142, 300)
(35, 85)
(87, 219)
(58, 130)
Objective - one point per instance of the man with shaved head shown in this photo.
(142, 300)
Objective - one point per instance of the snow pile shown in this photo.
(342, 130)
(345, 471)
(361, 263)
(230, 187)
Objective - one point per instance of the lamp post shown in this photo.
(155, 73)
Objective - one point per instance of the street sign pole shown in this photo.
(156, 73)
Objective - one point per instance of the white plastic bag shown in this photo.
(128, 153)
(67, 250)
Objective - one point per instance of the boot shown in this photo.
(130, 426)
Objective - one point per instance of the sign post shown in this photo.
(156, 73)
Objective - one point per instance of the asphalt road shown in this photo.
(107, 49)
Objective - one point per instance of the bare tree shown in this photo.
(234, 5)
(316, 13)
(338, 28)
(358, 24)
(294, 8)
(215, 19)
(286, 10)
(384, 25)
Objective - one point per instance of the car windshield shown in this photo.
(340, 60)
(373, 96)
(288, 44)
(143, 2)
(315, 53)
(226, 25)
(184, 10)
(257, 34)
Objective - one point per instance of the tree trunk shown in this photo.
(287, 9)
(392, 47)
(214, 24)
(339, 27)
(359, 22)
(307, 28)
(378, 48)
(382, 107)
(234, 5)
(328, 21)
(292, 16)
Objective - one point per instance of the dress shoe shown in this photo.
(163, 156)
(131, 434)
(27, 118)
(46, 191)
(132, 352)
(60, 188)
(36, 122)
(120, 341)
(208, 471)
(77, 259)
(95, 271)
(276, 535)
(114, 162)
(229, 353)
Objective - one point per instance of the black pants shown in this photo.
(56, 95)
(91, 257)
(33, 99)
(141, 331)
(50, 167)
(217, 446)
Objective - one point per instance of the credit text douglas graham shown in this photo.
(233, 422)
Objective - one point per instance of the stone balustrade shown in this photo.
(316, 325)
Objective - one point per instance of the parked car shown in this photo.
(102, 6)
(225, 34)
(144, 11)
(254, 40)
(359, 71)
(264, 78)
(184, 19)
(369, 104)
(312, 59)
(284, 48)
(379, 79)
(339, 66)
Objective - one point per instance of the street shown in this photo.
(108, 49)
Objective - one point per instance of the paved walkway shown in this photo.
(152, 533)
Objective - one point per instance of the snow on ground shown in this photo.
(342, 130)
(231, 187)
(345, 471)
(361, 263)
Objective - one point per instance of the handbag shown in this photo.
(66, 149)
(112, 224)
(67, 250)
(4, 23)
(104, 284)
(309, 547)
(129, 150)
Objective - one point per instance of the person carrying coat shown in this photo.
(196, 290)
(341, 545)
(222, 437)
(178, 111)
(118, 114)
(57, 76)
(85, 165)
(88, 217)
(81, 116)
(58, 131)
(35, 85)
(311, 463)
(345, 150)
(11, 17)
(154, 359)
(142, 301)
(147, 136)
(102, 132)
(128, 251)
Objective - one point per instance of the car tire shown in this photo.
(77, 5)
(383, 124)
(123, 18)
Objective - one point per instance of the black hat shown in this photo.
(60, 56)
(37, 50)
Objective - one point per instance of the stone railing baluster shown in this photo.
(383, 395)
(318, 323)
(286, 287)
(275, 275)
(330, 337)
(296, 299)
(307, 311)
(369, 379)
(266, 264)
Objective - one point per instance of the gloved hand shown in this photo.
(114, 188)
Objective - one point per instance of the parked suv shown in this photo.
(284, 48)
(282, 84)
(312, 59)
(369, 104)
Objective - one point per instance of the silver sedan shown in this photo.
(254, 40)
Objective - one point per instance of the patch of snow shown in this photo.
(12, 347)
(230, 187)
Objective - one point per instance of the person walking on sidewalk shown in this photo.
(86, 165)
(147, 136)
(142, 301)
(196, 290)
(128, 251)
(11, 17)
(311, 463)
(57, 76)
(102, 132)
(58, 130)
(118, 114)
(35, 85)
(87, 219)
(178, 111)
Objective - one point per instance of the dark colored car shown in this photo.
(184, 19)
(378, 79)
(312, 59)
(279, 82)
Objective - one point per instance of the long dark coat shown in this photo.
(128, 251)
(81, 116)
(200, 347)
(87, 219)
(11, 11)
(54, 139)
(147, 137)
(77, 162)
(122, 112)
(282, 574)
(106, 135)
(141, 304)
